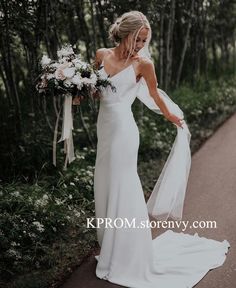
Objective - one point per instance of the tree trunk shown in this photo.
(9, 71)
(169, 45)
(100, 21)
(93, 19)
(186, 39)
(161, 49)
(83, 27)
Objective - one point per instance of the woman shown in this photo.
(128, 255)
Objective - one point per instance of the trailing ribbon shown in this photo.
(66, 135)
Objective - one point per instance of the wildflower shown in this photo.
(39, 226)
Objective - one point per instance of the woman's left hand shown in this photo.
(176, 120)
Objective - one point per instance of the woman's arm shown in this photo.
(147, 70)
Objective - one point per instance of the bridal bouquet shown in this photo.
(73, 79)
(69, 75)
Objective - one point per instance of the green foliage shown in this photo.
(37, 220)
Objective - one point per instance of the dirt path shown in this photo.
(211, 196)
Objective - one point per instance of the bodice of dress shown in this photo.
(125, 85)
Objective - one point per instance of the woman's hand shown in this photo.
(176, 120)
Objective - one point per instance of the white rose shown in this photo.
(69, 72)
(45, 60)
(76, 79)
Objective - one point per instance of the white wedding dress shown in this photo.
(128, 256)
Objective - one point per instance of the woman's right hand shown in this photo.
(176, 120)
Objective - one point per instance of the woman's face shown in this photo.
(139, 43)
(141, 39)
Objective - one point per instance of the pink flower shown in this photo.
(59, 73)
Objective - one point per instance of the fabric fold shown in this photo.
(167, 197)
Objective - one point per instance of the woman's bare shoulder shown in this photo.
(143, 64)
(100, 54)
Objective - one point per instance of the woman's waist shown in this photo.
(117, 107)
(115, 112)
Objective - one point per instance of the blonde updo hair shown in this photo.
(128, 25)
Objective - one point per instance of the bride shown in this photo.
(128, 255)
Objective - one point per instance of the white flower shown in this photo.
(59, 201)
(92, 80)
(32, 235)
(76, 79)
(15, 193)
(39, 226)
(13, 244)
(41, 202)
(50, 76)
(62, 61)
(80, 157)
(77, 62)
(54, 65)
(89, 173)
(45, 196)
(45, 60)
(14, 253)
(65, 51)
(69, 72)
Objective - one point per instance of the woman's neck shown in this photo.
(121, 53)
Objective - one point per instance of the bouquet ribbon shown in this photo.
(66, 135)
